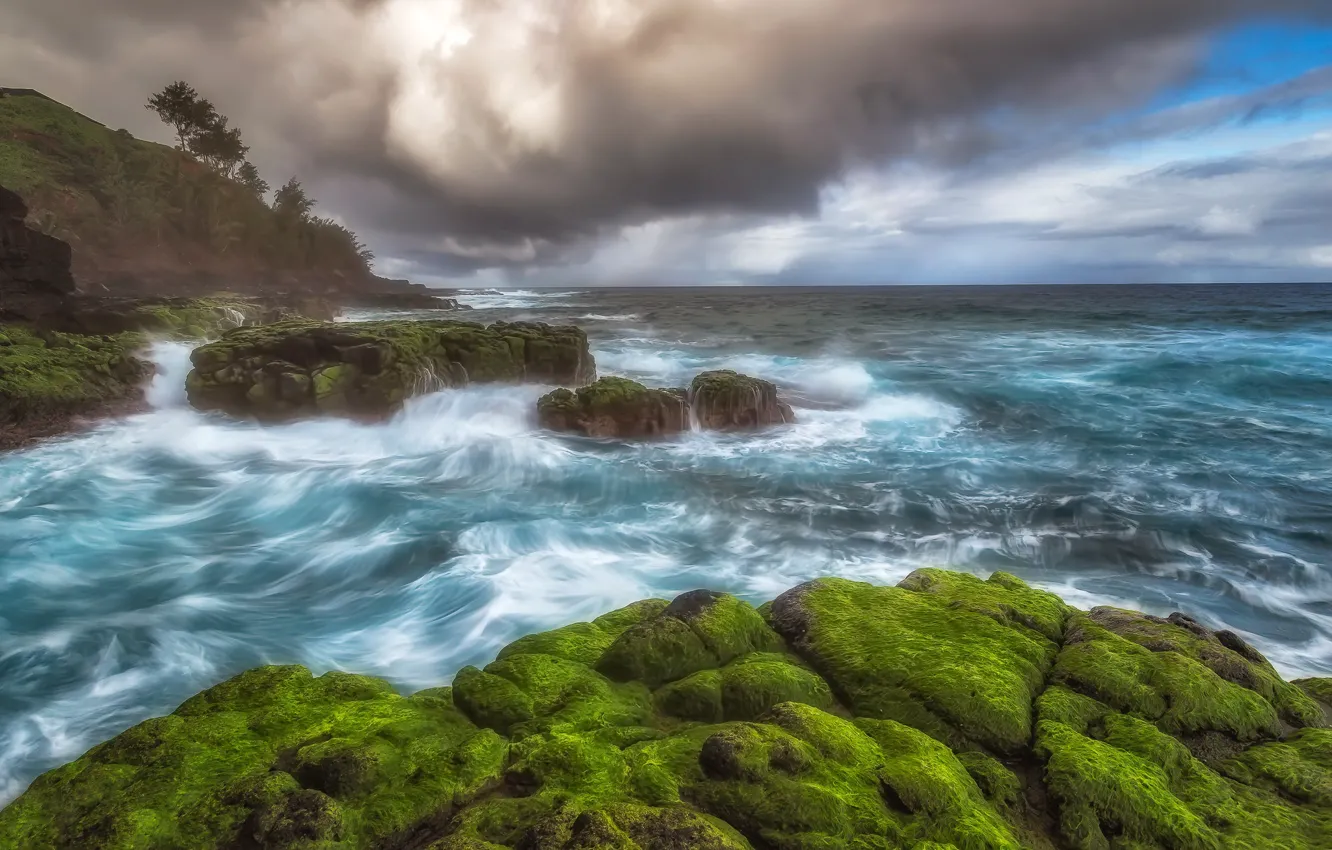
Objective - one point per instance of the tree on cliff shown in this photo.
(291, 203)
(179, 105)
(200, 129)
(248, 176)
(219, 145)
(226, 209)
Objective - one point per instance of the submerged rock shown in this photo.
(729, 401)
(945, 712)
(615, 408)
(293, 369)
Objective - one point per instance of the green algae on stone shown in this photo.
(934, 784)
(743, 690)
(1299, 767)
(47, 374)
(301, 368)
(915, 657)
(585, 642)
(1224, 653)
(1002, 597)
(1099, 786)
(698, 631)
(1181, 694)
(253, 753)
(694, 724)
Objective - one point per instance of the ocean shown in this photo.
(1160, 448)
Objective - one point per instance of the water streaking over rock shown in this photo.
(1160, 448)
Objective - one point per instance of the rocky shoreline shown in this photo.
(368, 369)
(944, 712)
(68, 358)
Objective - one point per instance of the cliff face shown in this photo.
(34, 268)
(945, 712)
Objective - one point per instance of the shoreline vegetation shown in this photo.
(108, 242)
(145, 218)
(947, 711)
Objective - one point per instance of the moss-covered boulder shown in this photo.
(292, 369)
(946, 712)
(615, 408)
(729, 401)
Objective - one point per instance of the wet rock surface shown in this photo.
(948, 711)
(618, 408)
(615, 408)
(294, 369)
(729, 401)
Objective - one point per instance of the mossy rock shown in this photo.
(85, 360)
(937, 660)
(948, 712)
(728, 401)
(294, 369)
(47, 376)
(615, 408)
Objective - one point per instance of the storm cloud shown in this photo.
(509, 132)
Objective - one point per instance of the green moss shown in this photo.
(240, 753)
(1003, 597)
(47, 373)
(743, 690)
(999, 784)
(937, 787)
(915, 657)
(529, 693)
(1224, 653)
(1170, 688)
(1320, 690)
(698, 631)
(802, 778)
(563, 743)
(1103, 789)
(195, 318)
(1300, 767)
(585, 642)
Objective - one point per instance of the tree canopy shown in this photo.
(292, 235)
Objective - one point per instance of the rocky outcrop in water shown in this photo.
(294, 369)
(384, 294)
(615, 408)
(944, 712)
(77, 359)
(625, 409)
(729, 401)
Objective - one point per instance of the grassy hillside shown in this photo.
(133, 208)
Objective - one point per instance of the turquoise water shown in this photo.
(1160, 448)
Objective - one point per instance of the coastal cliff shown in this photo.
(944, 712)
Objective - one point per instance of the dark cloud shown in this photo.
(510, 131)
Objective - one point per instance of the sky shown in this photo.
(636, 142)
